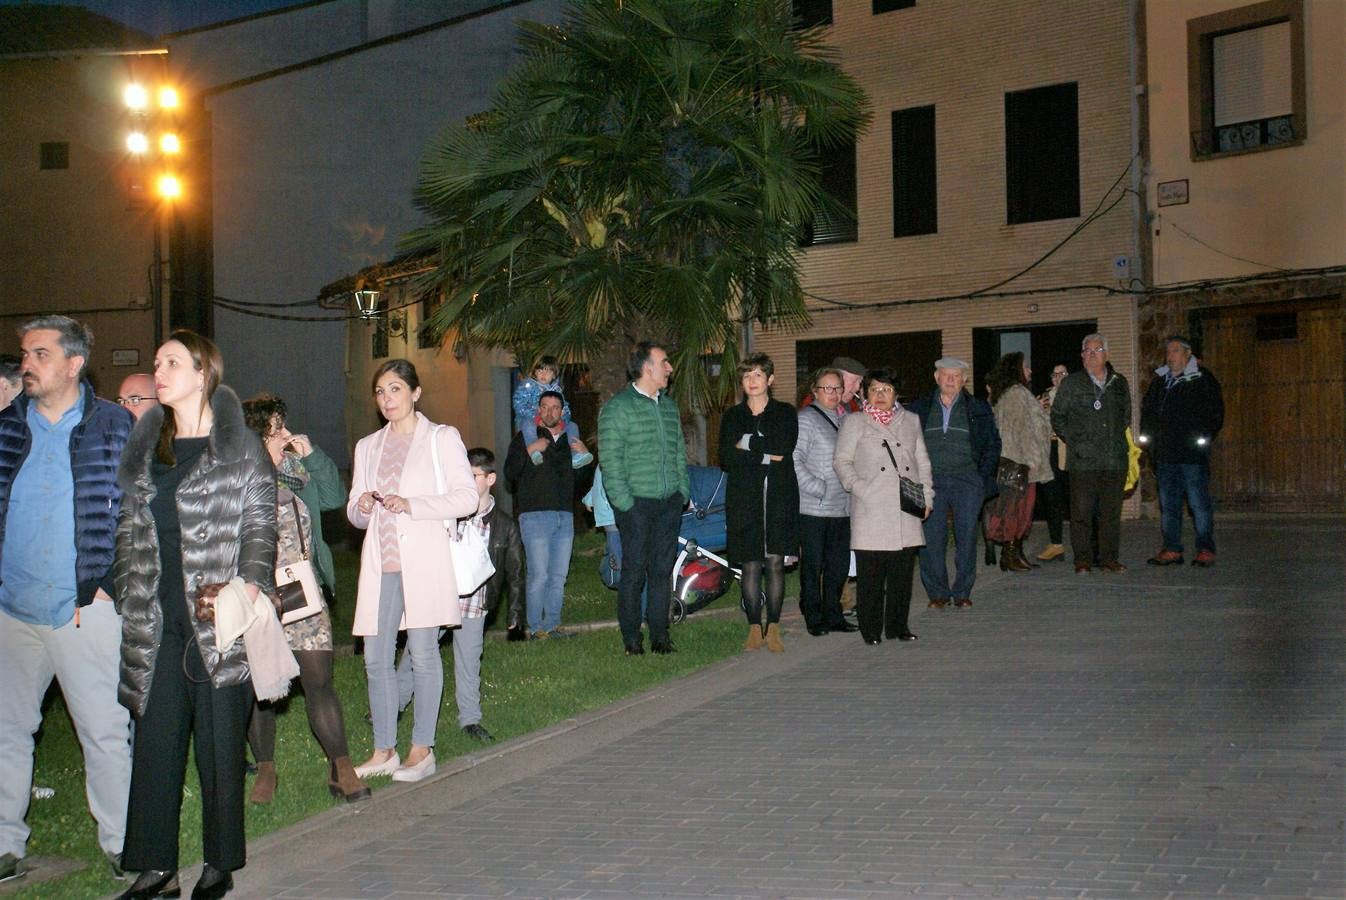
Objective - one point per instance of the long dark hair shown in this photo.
(402, 368)
(1006, 373)
(205, 359)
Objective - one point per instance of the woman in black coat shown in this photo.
(757, 442)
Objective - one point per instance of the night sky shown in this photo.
(157, 17)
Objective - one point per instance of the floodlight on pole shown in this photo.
(168, 98)
(169, 143)
(136, 97)
(137, 143)
(170, 188)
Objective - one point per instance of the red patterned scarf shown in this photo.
(882, 416)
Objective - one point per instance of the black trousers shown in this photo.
(1056, 499)
(883, 591)
(649, 531)
(824, 563)
(1104, 489)
(182, 704)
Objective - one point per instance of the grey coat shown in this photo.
(1025, 432)
(227, 516)
(877, 522)
(820, 490)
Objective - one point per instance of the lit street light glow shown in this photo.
(168, 98)
(169, 187)
(136, 96)
(169, 143)
(137, 143)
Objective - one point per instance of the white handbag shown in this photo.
(472, 566)
(296, 583)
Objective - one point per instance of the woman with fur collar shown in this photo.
(198, 510)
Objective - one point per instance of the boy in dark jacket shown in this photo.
(1181, 414)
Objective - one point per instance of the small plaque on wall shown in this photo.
(126, 357)
(1173, 193)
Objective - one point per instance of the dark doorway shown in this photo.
(1043, 346)
(911, 355)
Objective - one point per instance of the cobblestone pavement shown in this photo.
(1166, 732)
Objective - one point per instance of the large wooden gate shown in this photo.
(1281, 366)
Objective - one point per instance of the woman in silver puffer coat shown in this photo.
(198, 509)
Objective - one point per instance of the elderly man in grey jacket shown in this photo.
(824, 509)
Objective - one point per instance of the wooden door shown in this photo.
(1281, 367)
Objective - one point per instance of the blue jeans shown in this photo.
(427, 670)
(1191, 481)
(963, 495)
(547, 539)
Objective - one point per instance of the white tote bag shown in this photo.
(472, 566)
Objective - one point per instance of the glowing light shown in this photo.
(169, 143)
(169, 187)
(1201, 442)
(168, 98)
(136, 96)
(137, 143)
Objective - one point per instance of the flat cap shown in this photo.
(950, 362)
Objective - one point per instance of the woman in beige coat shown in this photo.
(406, 573)
(1025, 435)
(884, 538)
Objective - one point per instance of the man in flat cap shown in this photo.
(1181, 414)
(964, 446)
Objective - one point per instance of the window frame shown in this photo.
(1201, 34)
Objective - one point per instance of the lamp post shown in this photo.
(152, 138)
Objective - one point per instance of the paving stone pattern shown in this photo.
(1163, 733)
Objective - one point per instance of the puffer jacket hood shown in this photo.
(227, 517)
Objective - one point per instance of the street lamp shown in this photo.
(367, 298)
(160, 119)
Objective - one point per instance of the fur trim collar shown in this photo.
(228, 437)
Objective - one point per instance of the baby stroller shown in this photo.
(701, 575)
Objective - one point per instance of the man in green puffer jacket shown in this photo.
(644, 459)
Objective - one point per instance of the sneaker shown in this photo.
(539, 636)
(1165, 558)
(477, 733)
(115, 861)
(42, 792)
(580, 460)
(10, 867)
(1051, 552)
(559, 632)
(1204, 559)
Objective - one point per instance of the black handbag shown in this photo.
(912, 491)
(1012, 475)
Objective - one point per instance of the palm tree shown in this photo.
(647, 171)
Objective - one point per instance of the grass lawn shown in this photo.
(525, 687)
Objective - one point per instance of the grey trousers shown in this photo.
(467, 646)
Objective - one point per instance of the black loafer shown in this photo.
(906, 636)
(635, 648)
(873, 641)
(818, 630)
(213, 885)
(844, 628)
(663, 647)
(152, 883)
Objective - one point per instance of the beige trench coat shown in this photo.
(862, 463)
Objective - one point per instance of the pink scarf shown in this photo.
(882, 416)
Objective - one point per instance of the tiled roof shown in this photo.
(39, 28)
(393, 270)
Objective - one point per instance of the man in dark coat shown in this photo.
(1181, 414)
(59, 450)
(964, 446)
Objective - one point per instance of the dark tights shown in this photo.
(774, 567)
(324, 710)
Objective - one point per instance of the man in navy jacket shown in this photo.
(59, 450)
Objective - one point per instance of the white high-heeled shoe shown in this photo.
(388, 767)
(423, 769)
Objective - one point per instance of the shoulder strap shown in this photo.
(826, 417)
(299, 525)
(891, 458)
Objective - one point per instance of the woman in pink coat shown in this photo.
(406, 574)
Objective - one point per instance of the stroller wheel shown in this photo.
(677, 612)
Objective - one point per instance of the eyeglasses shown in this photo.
(1059, 372)
(828, 388)
(881, 389)
(1090, 351)
(136, 400)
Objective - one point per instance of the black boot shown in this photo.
(153, 883)
(213, 885)
(990, 554)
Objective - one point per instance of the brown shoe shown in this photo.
(754, 641)
(1082, 567)
(1165, 558)
(1204, 559)
(962, 603)
(773, 641)
(344, 783)
(1051, 552)
(940, 603)
(1010, 560)
(264, 786)
(1112, 565)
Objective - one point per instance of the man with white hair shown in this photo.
(1091, 413)
(1180, 416)
(964, 446)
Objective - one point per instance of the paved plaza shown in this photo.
(1171, 732)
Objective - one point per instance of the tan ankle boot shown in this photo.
(773, 641)
(754, 641)
(264, 786)
(345, 783)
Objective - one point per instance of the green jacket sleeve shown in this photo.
(612, 448)
(324, 476)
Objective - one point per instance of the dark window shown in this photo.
(1278, 327)
(883, 6)
(808, 13)
(1245, 79)
(430, 302)
(54, 155)
(909, 354)
(833, 219)
(915, 210)
(1042, 154)
(379, 345)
